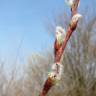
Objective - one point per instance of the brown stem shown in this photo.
(47, 86)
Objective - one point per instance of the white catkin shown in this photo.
(60, 72)
(53, 74)
(76, 17)
(60, 34)
(69, 2)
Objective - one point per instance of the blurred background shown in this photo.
(27, 29)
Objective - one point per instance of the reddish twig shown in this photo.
(59, 47)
